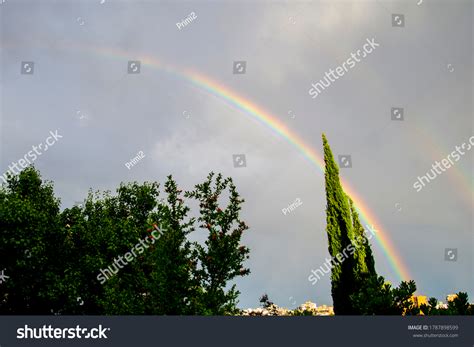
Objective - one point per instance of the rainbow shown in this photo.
(257, 113)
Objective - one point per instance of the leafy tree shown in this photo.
(460, 305)
(430, 309)
(31, 245)
(174, 288)
(377, 297)
(127, 217)
(222, 257)
(57, 261)
(402, 298)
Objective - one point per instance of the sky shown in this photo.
(80, 85)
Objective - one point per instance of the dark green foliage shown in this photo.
(376, 297)
(31, 245)
(430, 309)
(356, 287)
(265, 301)
(54, 258)
(459, 306)
(345, 232)
(364, 259)
(402, 298)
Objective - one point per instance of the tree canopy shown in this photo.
(56, 260)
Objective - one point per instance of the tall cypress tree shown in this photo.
(346, 240)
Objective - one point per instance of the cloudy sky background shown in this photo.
(187, 132)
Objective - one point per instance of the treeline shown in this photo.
(53, 259)
(130, 253)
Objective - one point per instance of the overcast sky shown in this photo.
(106, 116)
